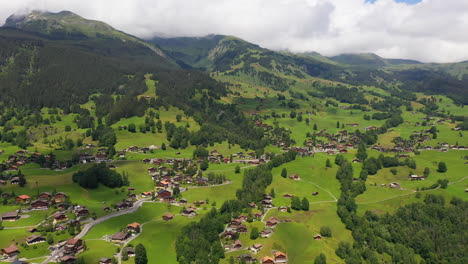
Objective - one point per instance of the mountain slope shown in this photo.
(369, 60)
(68, 25)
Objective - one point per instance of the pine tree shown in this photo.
(320, 259)
(296, 203)
(328, 163)
(442, 167)
(305, 204)
(361, 153)
(284, 173)
(140, 255)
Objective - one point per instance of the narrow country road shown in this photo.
(55, 254)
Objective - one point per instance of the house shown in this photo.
(168, 199)
(394, 185)
(283, 209)
(34, 239)
(106, 208)
(190, 212)
(241, 229)
(228, 234)
(237, 245)
(105, 261)
(315, 193)
(267, 203)
(59, 216)
(317, 237)
(120, 237)
(146, 194)
(294, 177)
(10, 216)
(45, 195)
(60, 197)
(15, 180)
(164, 193)
(10, 251)
(242, 218)
(167, 217)
(73, 246)
(23, 198)
(130, 251)
(416, 177)
(266, 233)
(246, 258)
(272, 222)
(256, 247)
(133, 227)
(268, 260)
(40, 204)
(280, 257)
(288, 195)
(81, 211)
(68, 259)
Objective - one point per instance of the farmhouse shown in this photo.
(268, 260)
(59, 216)
(81, 211)
(237, 245)
(167, 217)
(272, 222)
(164, 193)
(256, 247)
(73, 246)
(45, 195)
(10, 216)
(60, 197)
(280, 257)
(190, 212)
(10, 251)
(40, 204)
(120, 237)
(246, 258)
(105, 261)
(68, 259)
(15, 180)
(318, 237)
(266, 233)
(130, 251)
(34, 239)
(133, 227)
(23, 198)
(241, 229)
(294, 177)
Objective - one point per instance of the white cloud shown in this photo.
(433, 30)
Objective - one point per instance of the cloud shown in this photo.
(431, 30)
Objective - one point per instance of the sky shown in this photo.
(425, 30)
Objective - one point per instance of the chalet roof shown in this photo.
(34, 237)
(73, 241)
(10, 214)
(134, 225)
(280, 254)
(10, 249)
(119, 236)
(24, 197)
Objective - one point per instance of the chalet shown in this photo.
(241, 229)
(235, 222)
(288, 195)
(190, 212)
(317, 237)
(272, 222)
(120, 237)
(39, 204)
(267, 203)
(146, 194)
(68, 259)
(394, 185)
(237, 245)
(280, 257)
(416, 177)
(10, 251)
(73, 246)
(252, 205)
(81, 212)
(15, 180)
(370, 128)
(242, 218)
(34, 239)
(106, 208)
(101, 157)
(357, 161)
(10, 216)
(268, 260)
(228, 234)
(167, 217)
(164, 193)
(130, 251)
(315, 193)
(60, 197)
(168, 199)
(283, 209)
(59, 216)
(45, 195)
(246, 258)
(133, 227)
(32, 230)
(183, 201)
(266, 233)
(258, 215)
(105, 261)
(294, 177)
(23, 198)
(123, 205)
(255, 248)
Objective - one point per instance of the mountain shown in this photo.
(369, 60)
(68, 25)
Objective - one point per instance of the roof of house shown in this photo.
(267, 258)
(72, 241)
(24, 197)
(10, 214)
(134, 225)
(279, 254)
(33, 237)
(11, 249)
(119, 236)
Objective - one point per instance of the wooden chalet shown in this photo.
(34, 239)
(133, 227)
(23, 198)
(10, 216)
(168, 217)
(10, 251)
(120, 237)
(40, 204)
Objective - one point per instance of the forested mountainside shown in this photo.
(233, 56)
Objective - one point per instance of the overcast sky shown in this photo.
(427, 30)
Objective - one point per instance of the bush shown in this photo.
(325, 231)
